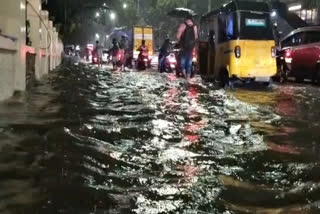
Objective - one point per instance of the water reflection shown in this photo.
(89, 141)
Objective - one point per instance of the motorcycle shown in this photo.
(143, 62)
(178, 53)
(170, 64)
(95, 58)
(117, 59)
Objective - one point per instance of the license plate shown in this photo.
(262, 79)
(172, 66)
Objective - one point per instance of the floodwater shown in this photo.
(86, 141)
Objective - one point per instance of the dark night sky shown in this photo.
(54, 10)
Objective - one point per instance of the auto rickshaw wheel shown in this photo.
(224, 77)
(317, 76)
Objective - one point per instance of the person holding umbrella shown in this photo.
(98, 53)
(187, 36)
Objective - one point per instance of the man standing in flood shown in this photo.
(187, 36)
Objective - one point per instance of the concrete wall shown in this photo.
(33, 15)
(44, 43)
(8, 50)
(51, 43)
(13, 53)
(12, 23)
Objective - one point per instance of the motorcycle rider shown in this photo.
(113, 51)
(164, 52)
(144, 51)
(187, 36)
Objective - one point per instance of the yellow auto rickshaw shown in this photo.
(237, 42)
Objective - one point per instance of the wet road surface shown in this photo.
(87, 141)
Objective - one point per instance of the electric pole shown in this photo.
(209, 5)
(138, 7)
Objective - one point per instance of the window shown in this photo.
(311, 37)
(293, 40)
(227, 27)
(255, 26)
(222, 34)
(309, 16)
(231, 27)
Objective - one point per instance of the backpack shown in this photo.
(188, 39)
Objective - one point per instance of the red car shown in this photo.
(299, 55)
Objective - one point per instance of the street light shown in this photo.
(295, 7)
(97, 36)
(97, 14)
(125, 6)
(112, 16)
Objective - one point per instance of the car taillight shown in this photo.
(237, 51)
(273, 52)
(288, 54)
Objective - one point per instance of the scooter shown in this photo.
(95, 58)
(143, 62)
(194, 63)
(117, 60)
(170, 64)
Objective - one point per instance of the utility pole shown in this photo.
(65, 12)
(209, 5)
(138, 7)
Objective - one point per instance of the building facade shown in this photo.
(309, 15)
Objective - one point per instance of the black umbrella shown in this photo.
(182, 12)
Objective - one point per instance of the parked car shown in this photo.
(299, 55)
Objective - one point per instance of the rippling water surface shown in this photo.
(87, 141)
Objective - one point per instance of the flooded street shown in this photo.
(97, 142)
